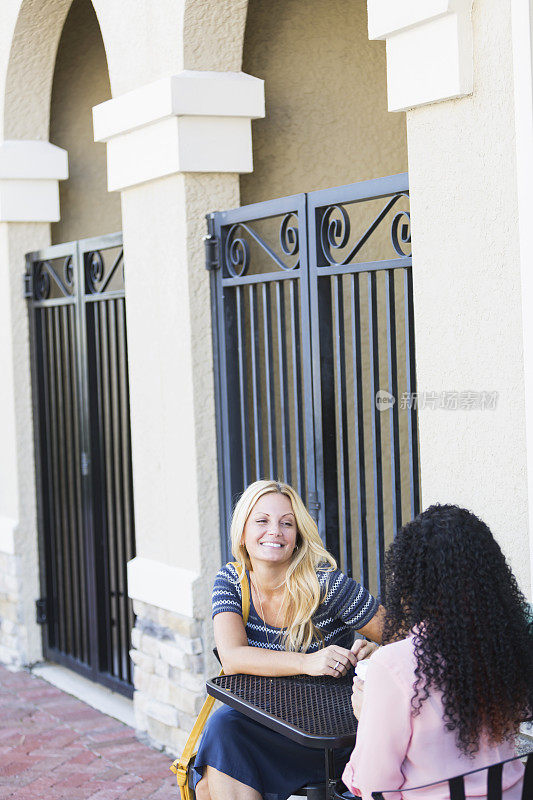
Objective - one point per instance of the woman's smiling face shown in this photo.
(270, 531)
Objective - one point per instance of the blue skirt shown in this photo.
(258, 757)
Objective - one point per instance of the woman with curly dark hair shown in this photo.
(447, 692)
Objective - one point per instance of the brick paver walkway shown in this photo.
(54, 747)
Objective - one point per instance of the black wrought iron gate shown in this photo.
(83, 455)
(314, 360)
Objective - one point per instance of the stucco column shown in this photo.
(466, 255)
(175, 150)
(29, 201)
(523, 101)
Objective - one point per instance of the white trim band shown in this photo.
(190, 122)
(29, 175)
(429, 49)
(161, 585)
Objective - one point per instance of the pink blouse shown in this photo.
(395, 749)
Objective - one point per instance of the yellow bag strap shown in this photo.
(245, 593)
(181, 766)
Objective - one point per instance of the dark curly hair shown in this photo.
(447, 578)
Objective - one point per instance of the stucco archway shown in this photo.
(28, 47)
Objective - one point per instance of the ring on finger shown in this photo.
(337, 665)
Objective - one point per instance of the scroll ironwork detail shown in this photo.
(94, 271)
(97, 280)
(237, 256)
(335, 230)
(401, 235)
(42, 283)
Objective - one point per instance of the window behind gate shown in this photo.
(314, 361)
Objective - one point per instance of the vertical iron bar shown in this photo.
(118, 533)
(297, 387)
(129, 541)
(245, 450)
(256, 388)
(63, 481)
(112, 523)
(283, 388)
(396, 477)
(269, 383)
(376, 426)
(359, 430)
(86, 466)
(100, 448)
(414, 476)
(54, 444)
(80, 551)
(326, 436)
(39, 412)
(306, 279)
(52, 585)
(223, 314)
(345, 545)
(71, 481)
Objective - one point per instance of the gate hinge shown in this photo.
(28, 286)
(41, 611)
(211, 252)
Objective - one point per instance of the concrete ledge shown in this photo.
(29, 175)
(190, 122)
(179, 144)
(386, 17)
(190, 93)
(161, 585)
(429, 49)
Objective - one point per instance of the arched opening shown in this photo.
(81, 81)
(326, 120)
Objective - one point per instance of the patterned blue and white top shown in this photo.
(347, 606)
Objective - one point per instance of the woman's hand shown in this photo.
(332, 660)
(357, 696)
(363, 649)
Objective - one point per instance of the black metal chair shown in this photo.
(457, 786)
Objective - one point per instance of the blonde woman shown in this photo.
(303, 614)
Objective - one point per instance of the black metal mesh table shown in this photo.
(315, 712)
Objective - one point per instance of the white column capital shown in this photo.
(429, 49)
(190, 122)
(29, 175)
(161, 585)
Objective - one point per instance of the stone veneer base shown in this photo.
(168, 676)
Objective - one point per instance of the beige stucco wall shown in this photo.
(326, 118)
(467, 290)
(171, 377)
(80, 82)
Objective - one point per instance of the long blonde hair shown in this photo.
(302, 589)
